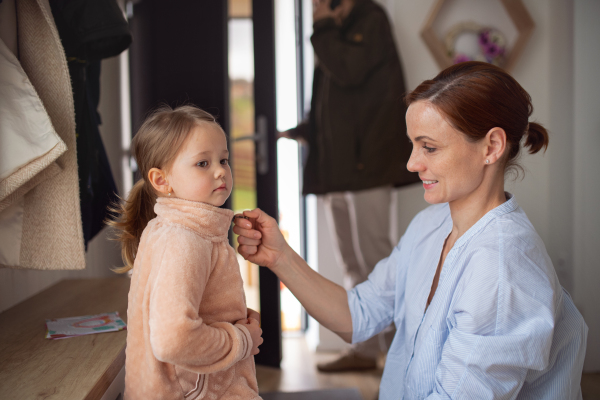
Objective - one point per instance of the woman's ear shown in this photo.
(495, 146)
(158, 179)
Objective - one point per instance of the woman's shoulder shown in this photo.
(503, 273)
(511, 232)
(509, 249)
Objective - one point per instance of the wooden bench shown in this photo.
(32, 367)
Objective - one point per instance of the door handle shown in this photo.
(262, 144)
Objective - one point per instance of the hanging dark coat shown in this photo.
(356, 129)
(91, 30)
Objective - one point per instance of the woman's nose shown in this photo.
(414, 164)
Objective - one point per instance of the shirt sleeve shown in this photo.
(372, 302)
(350, 62)
(501, 326)
(178, 335)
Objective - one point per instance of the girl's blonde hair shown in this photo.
(155, 145)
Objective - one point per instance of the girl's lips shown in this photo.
(221, 188)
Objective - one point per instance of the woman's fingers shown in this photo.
(248, 241)
(247, 251)
(247, 233)
(260, 217)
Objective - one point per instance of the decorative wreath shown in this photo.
(492, 44)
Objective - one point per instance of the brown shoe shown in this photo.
(348, 361)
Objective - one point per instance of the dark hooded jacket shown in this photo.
(356, 129)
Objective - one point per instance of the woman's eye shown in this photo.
(202, 164)
(429, 149)
(225, 161)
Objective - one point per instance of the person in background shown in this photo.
(479, 310)
(357, 147)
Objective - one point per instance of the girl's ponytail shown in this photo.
(537, 137)
(133, 216)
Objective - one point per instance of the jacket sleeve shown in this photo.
(349, 62)
(177, 333)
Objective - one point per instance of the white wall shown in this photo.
(17, 285)
(557, 68)
(586, 191)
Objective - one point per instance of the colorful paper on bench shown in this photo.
(61, 328)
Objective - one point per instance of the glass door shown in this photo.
(264, 51)
(252, 104)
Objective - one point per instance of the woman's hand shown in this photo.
(260, 240)
(255, 332)
(262, 243)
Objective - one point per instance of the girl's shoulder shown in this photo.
(172, 233)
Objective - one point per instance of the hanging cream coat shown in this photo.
(40, 218)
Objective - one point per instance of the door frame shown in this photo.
(263, 16)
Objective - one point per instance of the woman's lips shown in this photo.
(428, 184)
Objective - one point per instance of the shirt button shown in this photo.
(360, 166)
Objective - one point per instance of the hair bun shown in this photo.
(537, 137)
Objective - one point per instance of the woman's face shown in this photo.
(451, 168)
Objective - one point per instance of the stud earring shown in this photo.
(487, 161)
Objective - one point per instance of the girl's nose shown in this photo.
(219, 172)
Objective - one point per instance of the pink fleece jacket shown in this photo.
(186, 294)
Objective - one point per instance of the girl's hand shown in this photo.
(250, 313)
(260, 240)
(255, 332)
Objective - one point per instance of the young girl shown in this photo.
(190, 335)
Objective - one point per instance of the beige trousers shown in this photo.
(359, 224)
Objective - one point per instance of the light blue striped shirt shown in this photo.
(500, 326)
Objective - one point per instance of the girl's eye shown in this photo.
(225, 161)
(202, 164)
(429, 149)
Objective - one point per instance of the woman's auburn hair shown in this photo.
(475, 97)
(155, 145)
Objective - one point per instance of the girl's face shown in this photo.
(451, 167)
(201, 169)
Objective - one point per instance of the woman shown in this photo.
(479, 311)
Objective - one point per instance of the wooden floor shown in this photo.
(298, 373)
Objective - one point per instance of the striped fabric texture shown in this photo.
(500, 326)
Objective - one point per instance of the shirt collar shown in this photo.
(508, 206)
(206, 219)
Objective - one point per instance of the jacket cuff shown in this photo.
(245, 341)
